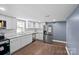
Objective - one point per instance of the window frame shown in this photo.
(40, 24)
(24, 27)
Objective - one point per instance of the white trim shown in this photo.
(59, 41)
(63, 42)
(67, 50)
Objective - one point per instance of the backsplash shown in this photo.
(8, 32)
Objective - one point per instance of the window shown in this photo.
(26, 24)
(37, 25)
(41, 25)
(30, 24)
(21, 26)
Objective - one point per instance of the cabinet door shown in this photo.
(23, 41)
(11, 24)
(26, 40)
(14, 45)
(17, 43)
(39, 36)
(29, 39)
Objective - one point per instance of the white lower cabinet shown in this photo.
(39, 36)
(14, 44)
(26, 40)
(19, 42)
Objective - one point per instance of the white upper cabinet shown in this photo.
(10, 22)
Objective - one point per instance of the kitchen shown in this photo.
(10, 32)
(20, 27)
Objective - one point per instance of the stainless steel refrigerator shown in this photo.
(48, 33)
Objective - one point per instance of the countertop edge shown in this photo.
(21, 35)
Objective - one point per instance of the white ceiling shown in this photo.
(43, 12)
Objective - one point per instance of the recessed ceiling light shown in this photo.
(2, 9)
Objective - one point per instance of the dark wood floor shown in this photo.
(41, 48)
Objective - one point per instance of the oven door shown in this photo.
(4, 48)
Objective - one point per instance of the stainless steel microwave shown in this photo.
(2, 24)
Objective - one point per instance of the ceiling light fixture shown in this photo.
(2, 9)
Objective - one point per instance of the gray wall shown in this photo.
(73, 32)
(59, 31)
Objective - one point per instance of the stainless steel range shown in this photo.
(4, 47)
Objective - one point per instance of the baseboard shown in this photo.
(65, 47)
(67, 50)
(59, 41)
